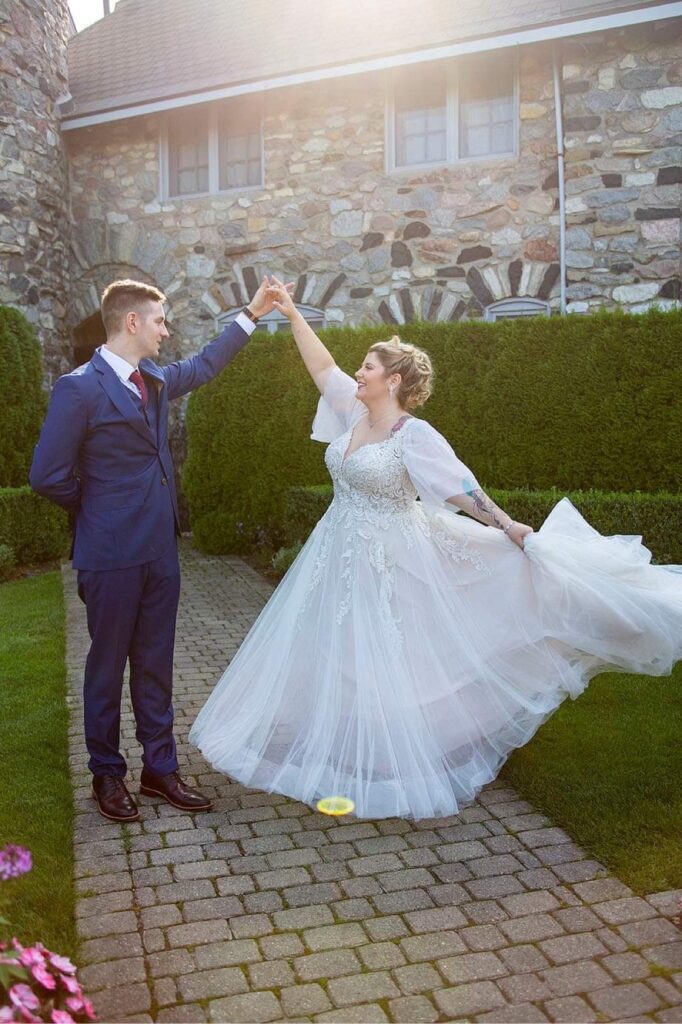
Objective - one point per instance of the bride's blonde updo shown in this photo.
(414, 367)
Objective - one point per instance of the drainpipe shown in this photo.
(556, 68)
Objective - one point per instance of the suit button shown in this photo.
(164, 481)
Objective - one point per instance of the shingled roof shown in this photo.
(155, 50)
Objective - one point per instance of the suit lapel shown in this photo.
(123, 401)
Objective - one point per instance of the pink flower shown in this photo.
(31, 957)
(61, 1017)
(6, 1014)
(71, 985)
(74, 1004)
(43, 976)
(62, 964)
(89, 1010)
(23, 997)
(14, 861)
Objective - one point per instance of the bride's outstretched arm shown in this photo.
(478, 505)
(318, 360)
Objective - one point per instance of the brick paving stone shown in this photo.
(304, 917)
(602, 889)
(568, 1010)
(525, 988)
(381, 928)
(620, 1001)
(262, 902)
(667, 955)
(189, 1012)
(353, 910)
(376, 864)
(107, 924)
(579, 871)
(624, 910)
(416, 978)
(650, 933)
(419, 948)
(308, 895)
(392, 881)
(538, 878)
(568, 948)
(526, 903)
(303, 1000)
(369, 1013)
(333, 964)
(472, 967)
(220, 981)
(469, 1000)
(577, 919)
(572, 979)
(504, 864)
(113, 973)
(438, 919)
(205, 910)
(626, 966)
(362, 988)
(481, 937)
(110, 947)
(381, 955)
(170, 962)
(673, 1015)
(225, 954)
(198, 932)
(533, 928)
(334, 936)
(250, 926)
(493, 888)
(251, 1008)
(522, 959)
(514, 1014)
(112, 1003)
(413, 1010)
(276, 946)
(402, 902)
(271, 974)
(165, 992)
(461, 851)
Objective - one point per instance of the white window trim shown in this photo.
(213, 162)
(516, 307)
(274, 318)
(451, 125)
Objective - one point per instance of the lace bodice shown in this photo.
(372, 483)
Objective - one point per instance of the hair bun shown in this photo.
(414, 367)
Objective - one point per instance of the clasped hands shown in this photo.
(273, 294)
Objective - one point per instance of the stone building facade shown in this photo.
(362, 242)
(34, 221)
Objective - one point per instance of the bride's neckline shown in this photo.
(397, 426)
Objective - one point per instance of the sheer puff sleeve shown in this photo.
(338, 408)
(434, 468)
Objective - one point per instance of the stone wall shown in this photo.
(34, 226)
(365, 245)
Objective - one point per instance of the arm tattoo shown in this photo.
(486, 508)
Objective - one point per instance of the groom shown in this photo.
(103, 455)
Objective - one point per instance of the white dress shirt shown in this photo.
(122, 368)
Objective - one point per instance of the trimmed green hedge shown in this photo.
(655, 517)
(574, 403)
(34, 529)
(22, 399)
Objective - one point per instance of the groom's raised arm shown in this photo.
(55, 458)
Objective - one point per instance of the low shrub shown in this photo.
(34, 529)
(22, 398)
(655, 517)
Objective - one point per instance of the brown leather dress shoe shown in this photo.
(113, 799)
(174, 790)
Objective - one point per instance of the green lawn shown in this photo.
(608, 768)
(36, 809)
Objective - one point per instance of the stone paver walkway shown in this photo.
(264, 910)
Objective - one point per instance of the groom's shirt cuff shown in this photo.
(244, 322)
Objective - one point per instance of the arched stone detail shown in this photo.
(237, 288)
(480, 286)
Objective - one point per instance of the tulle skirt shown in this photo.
(399, 664)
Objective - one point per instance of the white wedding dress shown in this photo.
(410, 649)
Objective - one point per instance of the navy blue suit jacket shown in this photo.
(98, 458)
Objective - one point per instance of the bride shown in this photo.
(410, 649)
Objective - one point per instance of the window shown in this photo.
(210, 149)
(447, 112)
(510, 309)
(276, 321)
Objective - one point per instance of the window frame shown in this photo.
(518, 306)
(213, 117)
(274, 317)
(452, 69)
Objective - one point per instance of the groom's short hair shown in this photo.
(121, 297)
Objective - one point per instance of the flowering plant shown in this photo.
(35, 984)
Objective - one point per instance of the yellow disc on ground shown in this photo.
(335, 805)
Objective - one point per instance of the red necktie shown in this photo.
(137, 379)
